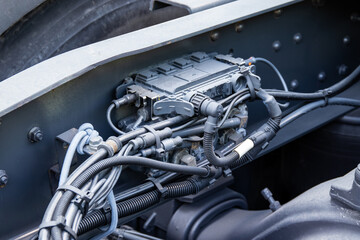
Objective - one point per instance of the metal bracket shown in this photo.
(348, 196)
(173, 105)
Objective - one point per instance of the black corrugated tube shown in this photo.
(112, 162)
(210, 154)
(98, 218)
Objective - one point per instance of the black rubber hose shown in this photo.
(352, 120)
(98, 218)
(318, 104)
(211, 156)
(334, 89)
(112, 162)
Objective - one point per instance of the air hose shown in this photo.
(99, 218)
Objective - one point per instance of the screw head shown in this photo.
(35, 134)
(346, 40)
(239, 27)
(321, 76)
(214, 36)
(276, 45)
(297, 38)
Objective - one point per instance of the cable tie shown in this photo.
(163, 190)
(61, 223)
(86, 196)
(82, 204)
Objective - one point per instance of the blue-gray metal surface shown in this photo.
(68, 104)
(42, 78)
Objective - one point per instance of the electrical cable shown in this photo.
(352, 120)
(270, 64)
(114, 218)
(108, 117)
(317, 104)
(282, 80)
(330, 91)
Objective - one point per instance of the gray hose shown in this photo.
(108, 117)
(282, 80)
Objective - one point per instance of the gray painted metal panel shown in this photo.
(42, 78)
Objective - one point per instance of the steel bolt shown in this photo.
(342, 70)
(274, 205)
(214, 36)
(239, 27)
(276, 45)
(35, 134)
(346, 40)
(294, 84)
(297, 37)
(321, 76)
(3, 178)
(94, 142)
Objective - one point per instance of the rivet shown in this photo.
(214, 36)
(346, 40)
(321, 76)
(277, 13)
(294, 84)
(239, 27)
(276, 45)
(297, 37)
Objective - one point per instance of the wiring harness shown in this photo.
(80, 202)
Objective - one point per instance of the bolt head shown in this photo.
(96, 140)
(35, 134)
(276, 45)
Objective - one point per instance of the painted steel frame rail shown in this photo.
(54, 72)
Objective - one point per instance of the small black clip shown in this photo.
(163, 190)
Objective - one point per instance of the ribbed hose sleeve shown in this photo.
(210, 154)
(112, 162)
(98, 218)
